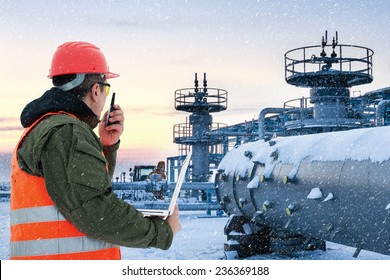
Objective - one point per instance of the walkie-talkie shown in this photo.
(108, 123)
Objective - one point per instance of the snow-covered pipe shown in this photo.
(331, 186)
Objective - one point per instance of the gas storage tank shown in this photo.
(332, 186)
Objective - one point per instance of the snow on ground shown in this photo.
(201, 238)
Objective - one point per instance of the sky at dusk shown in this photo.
(157, 46)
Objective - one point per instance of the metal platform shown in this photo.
(348, 66)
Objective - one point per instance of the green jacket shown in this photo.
(68, 154)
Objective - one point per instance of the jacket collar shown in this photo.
(56, 100)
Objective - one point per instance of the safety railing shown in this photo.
(347, 64)
(191, 99)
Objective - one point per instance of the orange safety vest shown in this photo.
(38, 230)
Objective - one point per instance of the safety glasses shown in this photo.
(107, 88)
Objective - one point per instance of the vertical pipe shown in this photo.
(201, 122)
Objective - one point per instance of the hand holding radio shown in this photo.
(110, 131)
(108, 123)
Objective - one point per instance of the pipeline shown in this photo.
(380, 112)
(262, 115)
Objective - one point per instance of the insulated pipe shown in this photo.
(262, 115)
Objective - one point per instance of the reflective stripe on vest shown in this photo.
(39, 230)
(37, 214)
(58, 245)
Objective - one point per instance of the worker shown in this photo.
(62, 204)
(160, 170)
(158, 175)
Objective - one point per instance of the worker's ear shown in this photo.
(94, 92)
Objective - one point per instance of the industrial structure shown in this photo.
(208, 140)
(313, 170)
(286, 192)
(283, 201)
(200, 102)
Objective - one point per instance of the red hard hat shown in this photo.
(79, 57)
